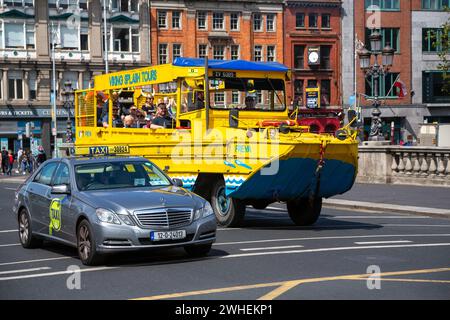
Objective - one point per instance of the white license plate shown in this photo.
(167, 235)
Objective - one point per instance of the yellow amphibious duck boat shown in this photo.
(231, 139)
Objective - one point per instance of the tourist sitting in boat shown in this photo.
(162, 119)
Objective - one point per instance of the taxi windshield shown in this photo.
(115, 175)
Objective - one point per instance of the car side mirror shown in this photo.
(61, 189)
(351, 115)
(177, 182)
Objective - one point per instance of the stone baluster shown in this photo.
(424, 166)
(416, 164)
(441, 167)
(408, 164)
(432, 169)
(394, 165)
(447, 168)
(401, 164)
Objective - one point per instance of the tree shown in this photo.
(444, 44)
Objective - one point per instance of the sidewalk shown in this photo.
(430, 201)
(14, 178)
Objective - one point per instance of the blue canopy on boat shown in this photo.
(231, 64)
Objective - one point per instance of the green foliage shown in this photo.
(444, 43)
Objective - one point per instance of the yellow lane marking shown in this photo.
(209, 291)
(284, 286)
(407, 280)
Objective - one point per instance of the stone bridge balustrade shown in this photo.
(404, 165)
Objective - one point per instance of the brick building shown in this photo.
(313, 26)
(250, 30)
(406, 26)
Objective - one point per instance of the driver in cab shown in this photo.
(162, 119)
(249, 102)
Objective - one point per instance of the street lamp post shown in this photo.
(68, 99)
(376, 71)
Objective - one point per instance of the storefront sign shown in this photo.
(313, 98)
(33, 113)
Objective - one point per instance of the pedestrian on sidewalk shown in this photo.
(10, 163)
(41, 157)
(4, 160)
(24, 163)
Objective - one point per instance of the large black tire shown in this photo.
(229, 212)
(260, 204)
(86, 246)
(304, 212)
(198, 250)
(27, 239)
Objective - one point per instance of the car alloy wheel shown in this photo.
(84, 243)
(24, 228)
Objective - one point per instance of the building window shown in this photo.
(32, 85)
(17, 36)
(162, 19)
(299, 57)
(435, 4)
(202, 50)
(69, 37)
(326, 21)
(383, 4)
(201, 20)
(390, 36)
(234, 52)
(75, 4)
(270, 53)
(18, 3)
(325, 92)
(313, 20)
(257, 22)
(325, 61)
(299, 20)
(218, 21)
(219, 52)
(435, 87)
(122, 5)
(270, 22)
(257, 53)
(385, 86)
(431, 40)
(15, 85)
(298, 92)
(235, 97)
(219, 98)
(162, 53)
(125, 39)
(176, 20)
(176, 51)
(234, 21)
(84, 38)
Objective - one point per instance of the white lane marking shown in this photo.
(10, 245)
(6, 231)
(333, 238)
(24, 270)
(271, 248)
(333, 249)
(31, 261)
(10, 188)
(57, 273)
(276, 209)
(379, 217)
(339, 226)
(384, 242)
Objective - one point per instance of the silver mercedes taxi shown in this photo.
(111, 204)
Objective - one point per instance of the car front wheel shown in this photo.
(86, 246)
(25, 233)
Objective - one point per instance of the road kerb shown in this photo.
(385, 207)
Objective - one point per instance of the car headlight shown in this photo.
(107, 216)
(207, 210)
(126, 219)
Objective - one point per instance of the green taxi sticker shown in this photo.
(55, 215)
